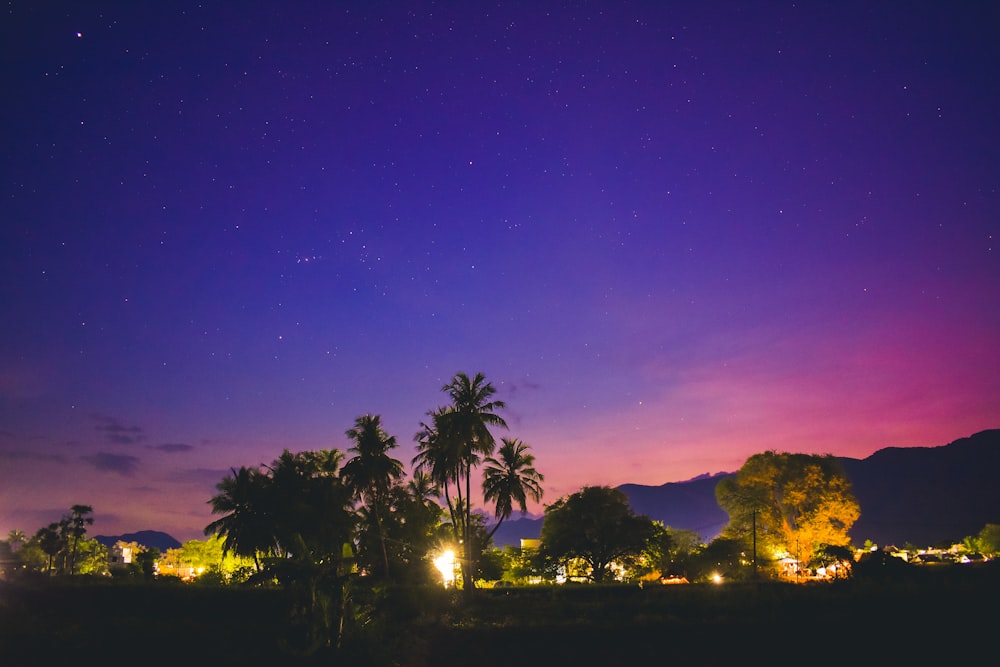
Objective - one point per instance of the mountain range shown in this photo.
(908, 495)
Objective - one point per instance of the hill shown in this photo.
(917, 495)
(153, 539)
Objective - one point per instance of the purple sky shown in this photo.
(672, 234)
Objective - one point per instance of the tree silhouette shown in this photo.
(511, 479)
(77, 522)
(245, 528)
(457, 442)
(597, 526)
(372, 472)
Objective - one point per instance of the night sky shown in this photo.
(672, 234)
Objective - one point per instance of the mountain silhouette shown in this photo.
(908, 495)
(152, 539)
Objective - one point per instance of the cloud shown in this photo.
(172, 447)
(31, 456)
(119, 463)
(116, 432)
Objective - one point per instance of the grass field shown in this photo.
(929, 615)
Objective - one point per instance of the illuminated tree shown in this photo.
(987, 541)
(596, 525)
(511, 479)
(372, 473)
(789, 502)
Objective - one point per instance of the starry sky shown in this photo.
(671, 234)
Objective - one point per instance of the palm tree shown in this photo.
(372, 472)
(423, 489)
(50, 539)
(246, 528)
(440, 458)
(467, 425)
(15, 538)
(511, 478)
(78, 520)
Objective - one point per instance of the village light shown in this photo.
(716, 578)
(445, 563)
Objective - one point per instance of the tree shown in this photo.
(454, 444)
(78, 521)
(372, 472)
(597, 525)
(51, 541)
(246, 524)
(15, 538)
(987, 541)
(439, 459)
(789, 502)
(511, 478)
(298, 514)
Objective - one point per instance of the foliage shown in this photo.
(792, 503)
(724, 557)
(371, 475)
(510, 479)
(295, 518)
(597, 526)
(61, 547)
(987, 541)
(91, 557)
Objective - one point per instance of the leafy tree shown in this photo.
(145, 562)
(372, 473)
(789, 502)
(987, 541)
(723, 556)
(511, 479)
(840, 558)
(597, 525)
(656, 559)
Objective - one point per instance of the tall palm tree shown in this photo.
(372, 472)
(440, 457)
(246, 527)
(511, 478)
(78, 521)
(467, 423)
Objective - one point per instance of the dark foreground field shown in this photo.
(931, 615)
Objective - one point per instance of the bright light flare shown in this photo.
(445, 563)
(716, 578)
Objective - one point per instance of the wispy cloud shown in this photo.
(122, 464)
(117, 432)
(25, 455)
(172, 447)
